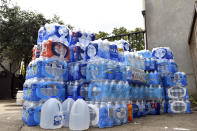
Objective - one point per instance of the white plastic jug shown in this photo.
(66, 106)
(19, 98)
(51, 114)
(79, 116)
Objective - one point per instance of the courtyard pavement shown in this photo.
(10, 120)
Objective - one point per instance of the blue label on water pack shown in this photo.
(113, 50)
(91, 51)
(136, 111)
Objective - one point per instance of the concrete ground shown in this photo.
(10, 120)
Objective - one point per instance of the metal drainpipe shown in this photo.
(145, 37)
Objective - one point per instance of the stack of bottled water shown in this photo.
(148, 97)
(47, 73)
(109, 93)
(115, 83)
(78, 85)
(177, 98)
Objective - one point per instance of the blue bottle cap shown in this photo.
(53, 96)
(79, 97)
(69, 96)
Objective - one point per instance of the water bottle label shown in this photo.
(120, 112)
(135, 108)
(120, 50)
(160, 53)
(57, 120)
(113, 52)
(138, 75)
(126, 46)
(91, 51)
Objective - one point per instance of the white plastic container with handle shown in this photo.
(51, 114)
(67, 105)
(79, 116)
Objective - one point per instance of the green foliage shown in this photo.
(118, 31)
(136, 41)
(101, 34)
(18, 33)
(193, 101)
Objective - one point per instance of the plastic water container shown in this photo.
(19, 98)
(177, 92)
(136, 110)
(117, 113)
(110, 114)
(179, 106)
(46, 90)
(57, 33)
(95, 91)
(79, 116)
(92, 71)
(180, 79)
(30, 113)
(91, 51)
(124, 112)
(55, 69)
(130, 114)
(66, 107)
(162, 53)
(51, 49)
(51, 114)
(94, 114)
(103, 115)
(83, 91)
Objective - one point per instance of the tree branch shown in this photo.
(2, 66)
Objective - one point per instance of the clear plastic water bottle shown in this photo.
(75, 91)
(111, 70)
(95, 91)
(110, 114)
(124, 112)
(106, 91)
(84, 90)
(142, 63)
(127, 94)
(117, 113)
(103, 115)
(119, 91)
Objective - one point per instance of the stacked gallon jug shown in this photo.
(47, 73)
(176, 93)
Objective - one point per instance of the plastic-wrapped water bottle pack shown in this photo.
(76, 81)
(47, 73)
(174, 82)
